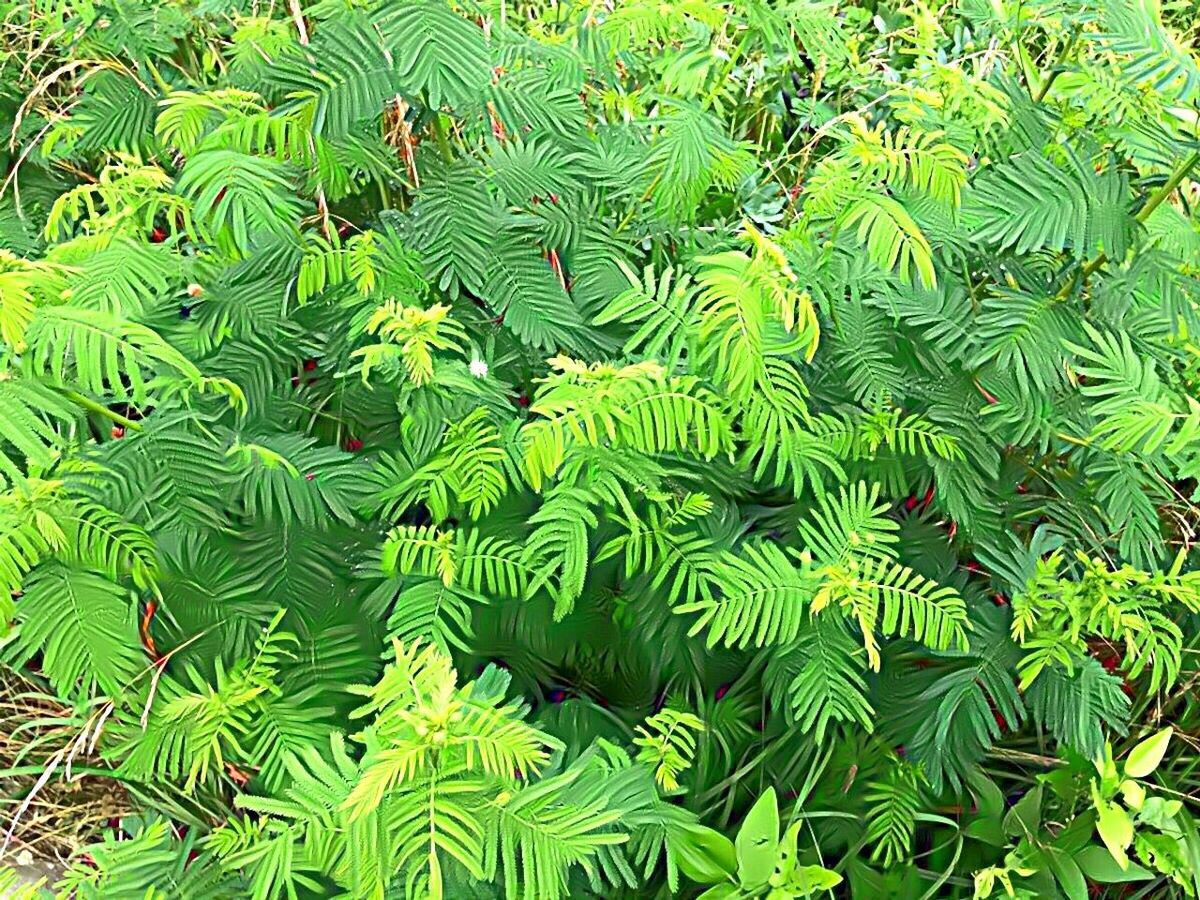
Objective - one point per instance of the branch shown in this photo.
(298, 18)
(1152, 204)
(1020, 756)
(1057, 69)
(100, 409)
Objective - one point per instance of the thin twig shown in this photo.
(298, 18)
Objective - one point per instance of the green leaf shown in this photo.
(1098, 865)
(986, 825)
(1133, 794)
(346, 75)
(241, 197)
(721, 892)
(1145, 757)
(83, 625)
(757, 840)
(1067, 874)
(1025, 817)
(704, 855)
(438, 54)
(1114, 827)
(808, 880)
(100, 352)
(892, 237)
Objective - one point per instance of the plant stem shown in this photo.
(22, 771)
(100, 409)
(1180, 173)
(633, 212)
(158, 79)
(298, 17)
(1020, 756)
(1167, 189)
(1057, 69)
(970, 286)
(439, 131)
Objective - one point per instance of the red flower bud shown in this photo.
(118, 432)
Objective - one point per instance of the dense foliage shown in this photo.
(522, 449)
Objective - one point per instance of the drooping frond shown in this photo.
(239, 196)
(85, 627)
(463, 558)
(668, 742)
(819, 678)
(638, 406)
(893, 599)
(892, 238)
(438, 55)
(891, 818)
(764, 598)
(546, 829)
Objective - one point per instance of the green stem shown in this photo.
(158, 79)
(23, 771)
(443, 143)
(1057, 68)
(1020, 756)
(723, 79)
(1180, 173)
(1167, 189)
(970, 286)
(634, 210)
(100, 409)
(1071, 439)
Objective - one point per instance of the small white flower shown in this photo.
(479, 368)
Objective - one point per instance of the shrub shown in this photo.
(556, 450)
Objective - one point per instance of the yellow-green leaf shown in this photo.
(1145, 757)
(757, 840)
(1114, 827)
